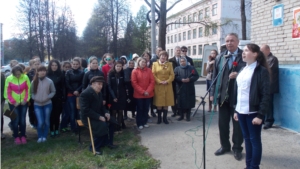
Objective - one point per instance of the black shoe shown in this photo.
(174, 115)
(153, 114)
(267, 126)
(221, 151)
(158, 116)
(165, 113)
(237, 155)
(112, 146)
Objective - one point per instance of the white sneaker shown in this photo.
(44, 139)
(40, 140)
(141, 127)
(146, 125)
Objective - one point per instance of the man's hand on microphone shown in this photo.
(233, 75)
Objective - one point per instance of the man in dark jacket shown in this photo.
(274, 85)
(175, 62)
(98, 115)
(155, 57)
(184, 54)
(223, 92)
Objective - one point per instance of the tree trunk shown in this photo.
(244, 20)
(162, 25)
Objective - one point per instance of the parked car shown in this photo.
(5, 69)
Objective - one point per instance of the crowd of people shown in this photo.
(54, 98)
(103, 92)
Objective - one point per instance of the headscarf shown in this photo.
(183, 67)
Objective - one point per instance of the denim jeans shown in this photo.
(142, 111)
(20, 111)
(43, 118)
(252, 137)
(73, 112)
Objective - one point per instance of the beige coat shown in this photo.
(163, 94)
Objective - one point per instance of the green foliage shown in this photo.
(16, 49)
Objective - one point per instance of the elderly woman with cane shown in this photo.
(185, 76)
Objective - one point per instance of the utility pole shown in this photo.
(153, 37)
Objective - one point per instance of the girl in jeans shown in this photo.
(143, 84)
(252, 89)
(42, 90)
(16, 92)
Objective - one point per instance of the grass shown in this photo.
(66, 153)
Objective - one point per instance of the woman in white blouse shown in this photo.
(252, 88)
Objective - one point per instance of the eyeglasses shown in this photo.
(108, 59)
(183, 50)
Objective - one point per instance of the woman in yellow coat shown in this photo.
(163, 93)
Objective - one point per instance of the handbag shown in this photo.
(11, 114)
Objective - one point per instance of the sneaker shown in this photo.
(56, 132)
(146, 125)
(44, 139)
(18, 141)
(52, 134)
(40, 140)
(141, 127)
(23, 140)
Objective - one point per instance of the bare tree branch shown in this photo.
(173, 5)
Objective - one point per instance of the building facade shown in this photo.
(205, 23)
(284, 45)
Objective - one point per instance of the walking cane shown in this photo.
(91, 134)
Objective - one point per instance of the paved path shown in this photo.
(173, 145)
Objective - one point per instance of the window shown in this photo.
(214, 30)
(171, 52)
(194, 50)
(214, 44)
(194, 33)
(168, 40)
(172, 39)
(189, 35)
(184, 36)
(175, 38)
(168, 51)
(184, 20)
(200, 16)
(171, 26)
(189, 51)
(179, 37)
(206, 31)
(179, 22)
(207, 12)
(195, 17)
(199, 49)
(200, 32)
(214, 10)
(190, 18)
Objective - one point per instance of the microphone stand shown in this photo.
(203, 106)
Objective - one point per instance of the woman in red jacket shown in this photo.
(143, 83)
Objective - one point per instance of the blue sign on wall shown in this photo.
(278, 12)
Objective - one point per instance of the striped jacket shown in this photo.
(17, 90)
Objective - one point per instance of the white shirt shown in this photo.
(243, 89)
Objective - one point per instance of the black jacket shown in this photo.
(186, 95)
(87, 78)
(273, 64)
(74, 80)
(225, 75)
(117, 90)
(90, 107)
(31, 74)
(59, 83)
(174, 62)
(259, 91)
